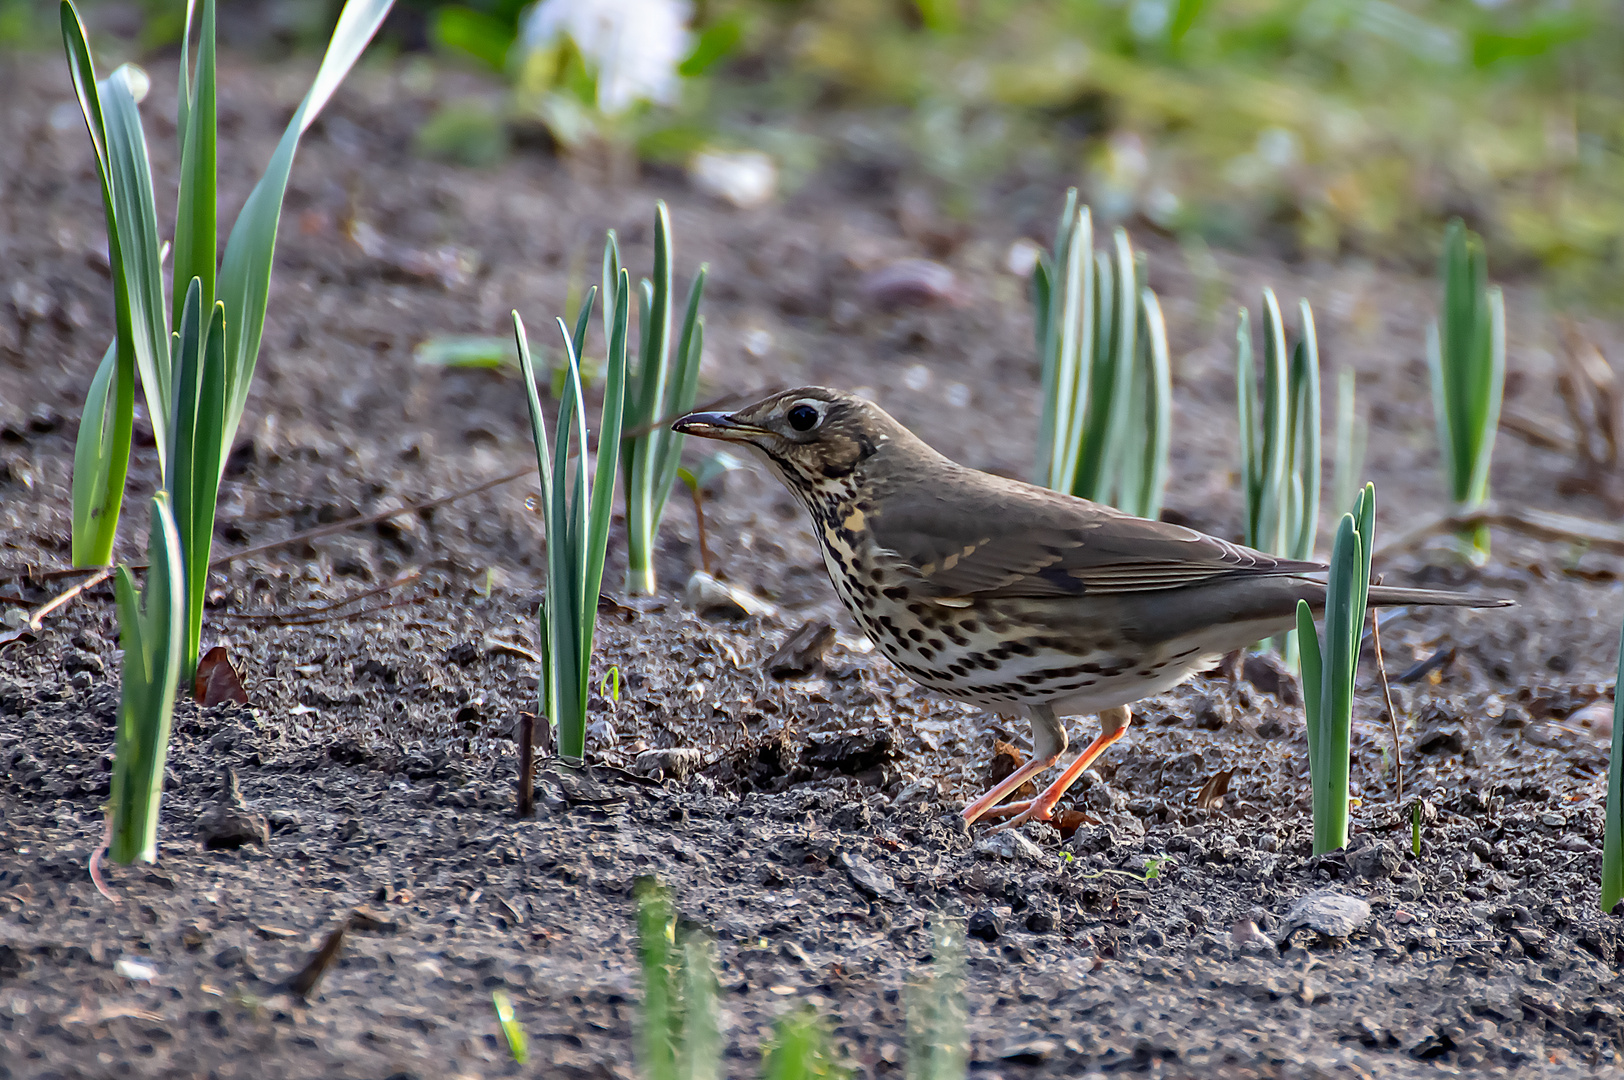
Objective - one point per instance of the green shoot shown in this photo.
(466, 351)
(695, 481)
(800, 1049)
(681, 1034)
(195, 354)
(577, 516)
(1612, 849)
(937, 1046)
(1352, 431)
(1415, 829)
(1466, 354)
(1280, 449)
(1329, 667)
(1280, 440)
(1107, 384)
(657, 391)
(518, 1044)
(152, 627)
(609, 686)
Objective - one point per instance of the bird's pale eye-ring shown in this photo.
(803, 417)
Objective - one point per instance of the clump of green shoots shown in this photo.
(1329, 665)
(1352, 432)
(1107, 384)
(1280, 435)
(658, 390)
(800, 1049)
(937, 1048)
(576, 515)
(1466, 353)
(1612, 849)
(681, 1035)
(195, 353)
(152, 629)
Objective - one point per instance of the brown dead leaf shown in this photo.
(1069, 821)
(1005, 760)
(217, 681)
(1211, 795)
(301, 984)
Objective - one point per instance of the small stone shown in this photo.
(920, 791)
(870, 879)
(1244, 934)
(1007, 844)
(1375, 860)
(229, 957)
(674, 763)
(985, 925)
(911, 282)
(1331, 914)
(1040, 921)
(802, 653)
(710, 598)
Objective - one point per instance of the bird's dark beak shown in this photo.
(717, 425)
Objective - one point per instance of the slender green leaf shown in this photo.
(1306, 435)
(684, 390)
(245, 273)
(101, 458)
(151, 627)
(1612, 850)
(196, 241)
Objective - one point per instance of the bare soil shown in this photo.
(818, 839)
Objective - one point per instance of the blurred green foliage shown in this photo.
(1327, 125)
(1308, 127)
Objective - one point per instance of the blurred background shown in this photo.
(1299, 129)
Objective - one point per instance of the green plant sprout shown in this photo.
(609, 685)
(1352, 432)
(1415, 829)
(1612, 848)
(195, 380)
(1466, 354)
(577, 516)
(1280, 449)
(1107, 383)
(661, 388)
(937, 1046)
(680, 1038)
(695, 480)
(512, 1030)
(1280, 437)
(152, 626)
(1153, 870)
(1329, 667)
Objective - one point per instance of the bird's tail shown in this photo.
(1392, 596)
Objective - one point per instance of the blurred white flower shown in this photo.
(634, 45)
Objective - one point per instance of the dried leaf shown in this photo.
(1211, 795)
(1005, 760)
(217, 681)
(305, 981)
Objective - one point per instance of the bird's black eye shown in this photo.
(803, 417)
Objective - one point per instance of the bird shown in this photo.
(1010, 596)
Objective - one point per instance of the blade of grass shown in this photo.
(101, 458)
(245, 272)
(1612, 851)
(196, 222)
(151, 625)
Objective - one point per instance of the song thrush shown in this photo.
(1012, 596)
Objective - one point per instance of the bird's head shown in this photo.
(813, 436)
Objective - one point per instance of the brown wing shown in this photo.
(987, 537)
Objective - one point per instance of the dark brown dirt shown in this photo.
(379, 750)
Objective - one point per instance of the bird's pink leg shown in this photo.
(1048, 743)
(1113, 723)
(1008, 784)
